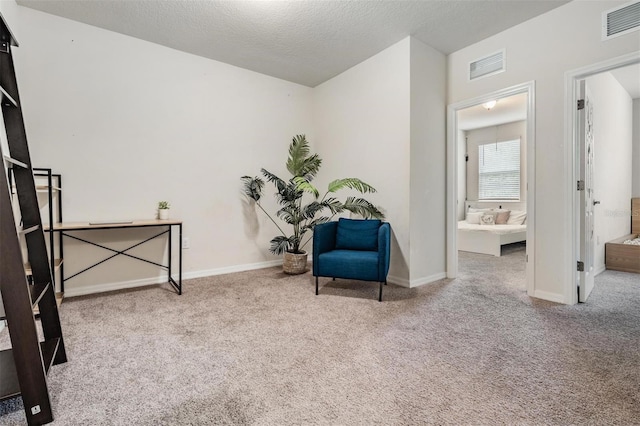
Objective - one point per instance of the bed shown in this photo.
(489, 238)
(620, 254)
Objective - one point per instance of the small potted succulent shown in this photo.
(163, 210)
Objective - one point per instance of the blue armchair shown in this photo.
(352, 249)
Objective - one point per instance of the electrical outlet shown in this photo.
(186, 243)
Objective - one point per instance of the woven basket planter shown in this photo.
(294, 263)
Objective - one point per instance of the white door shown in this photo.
(586, 231)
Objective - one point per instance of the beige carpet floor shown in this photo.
(259, 348)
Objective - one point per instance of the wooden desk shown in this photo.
(65, 228)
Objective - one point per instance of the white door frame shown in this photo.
(452, 175)
(572, 170)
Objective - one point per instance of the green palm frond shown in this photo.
(302, 184)
(252, 187)
(310, 167)
(352, 183)
(288, 194)
(309, 226)
(363, 208)
(279, 183)
(310, 210)
(290, 214)
(300, 163)
(333, 205)
(280, 244)
(298, 151)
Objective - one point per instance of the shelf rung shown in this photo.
(49, 348)
(57, 263)
(29, 229)
(6, 99)
(14, 162)
(37, 291)
(39, 188)
(45, 188)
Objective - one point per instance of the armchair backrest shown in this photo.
(357, 234)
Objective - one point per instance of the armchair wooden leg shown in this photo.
(380, 296)
(385, 282)
(316, 286)
(334, 278)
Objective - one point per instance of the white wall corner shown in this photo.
(427, 280)
(551, 297)
(402, 282)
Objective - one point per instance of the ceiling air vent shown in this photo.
(621, 20)
(490, 65)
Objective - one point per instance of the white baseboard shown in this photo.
(551, 297)
(101, 288)
(231, 269)
(600, 270)
(428, 280)
(403, 282)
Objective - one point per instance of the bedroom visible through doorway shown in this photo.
(490, 148)
(492, 178)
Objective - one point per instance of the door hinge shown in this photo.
(580, 266)
(580, 185)
(580, 104)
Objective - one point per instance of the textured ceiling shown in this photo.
(306, 42)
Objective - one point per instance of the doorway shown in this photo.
(580, 281)
(454, 184)
(602, 124)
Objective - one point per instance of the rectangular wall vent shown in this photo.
(621, 20)
(489, 65)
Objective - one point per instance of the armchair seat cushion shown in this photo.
(349, 264)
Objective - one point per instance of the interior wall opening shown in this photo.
(492, 188)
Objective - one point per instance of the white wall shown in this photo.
(543, 49)
(635, 186)
(428, 164)
(129, 123)
(365, 132)
(612, 125)
(383, 121)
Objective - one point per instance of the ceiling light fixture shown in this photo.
(489, 105)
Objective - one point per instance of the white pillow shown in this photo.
(517, 217)
(488, 219)
(474, 217)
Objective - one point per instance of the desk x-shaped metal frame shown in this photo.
(177, 285)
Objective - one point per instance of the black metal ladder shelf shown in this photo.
(24, 367)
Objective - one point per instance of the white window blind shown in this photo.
(499, 171)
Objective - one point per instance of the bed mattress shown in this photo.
(463, 225)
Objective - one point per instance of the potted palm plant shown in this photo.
(303, 213)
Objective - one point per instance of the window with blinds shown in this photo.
(499, 171)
